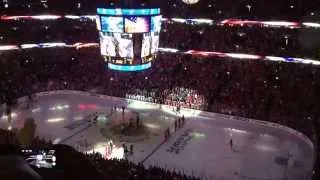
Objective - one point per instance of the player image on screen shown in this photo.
(146, 45)
(107, 45)
(137, 24)
(124, 45)
(156, 23)
(111, 24)
(155, 42)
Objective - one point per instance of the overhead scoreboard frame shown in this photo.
(129, 38)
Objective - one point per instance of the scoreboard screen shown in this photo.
(135, 24)
(146, 45)
(156, 23)
(129, 20)
(116, 45)
(129, 38)
(124, 45)
(111, 24)
(107, 46)
(154, 42)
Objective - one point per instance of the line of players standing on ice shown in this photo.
(127, 150)
(178, 123)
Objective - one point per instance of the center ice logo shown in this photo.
(181, 142)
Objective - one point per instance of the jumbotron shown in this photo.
(129, 38)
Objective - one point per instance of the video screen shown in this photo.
(40, 158)
(116, 45)
(137, 24)
(155, 42)
(156, 23)
(107, 45)
(111, 24)
(146, 45)
(124, 45)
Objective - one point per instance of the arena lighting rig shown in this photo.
(129, 38)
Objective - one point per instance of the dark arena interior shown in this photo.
(160, 89)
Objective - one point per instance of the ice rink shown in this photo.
(201, 147)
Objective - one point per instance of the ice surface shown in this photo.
(201, 147)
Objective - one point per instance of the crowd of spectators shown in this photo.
(242, 39)
(122, 169)
(260, 89)
(284, 93)
(298, 10)
(247, 9)
(284, 42)
(24, 31)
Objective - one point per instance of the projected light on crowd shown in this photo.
(130, 68)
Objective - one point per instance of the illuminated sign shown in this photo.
(129, 68)
(128, 12)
